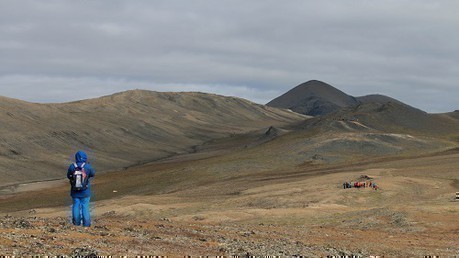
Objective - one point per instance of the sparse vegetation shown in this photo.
(238, 187)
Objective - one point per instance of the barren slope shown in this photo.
(271, 191)
(390, 117)
(303, 212)
(365, 133)
(38, 140)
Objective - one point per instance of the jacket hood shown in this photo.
(81, 157)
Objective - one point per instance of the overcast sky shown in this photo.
(58, 51)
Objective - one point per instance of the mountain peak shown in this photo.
(314, 98)
(314, 84)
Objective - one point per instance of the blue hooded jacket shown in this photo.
(80, 158)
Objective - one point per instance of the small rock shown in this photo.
(198, 218)
(102, 227)
(22, 223)
(247, 234)
(84, 252)
(110, 213)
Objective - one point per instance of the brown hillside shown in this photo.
(392, 117)
(38, 140)
(365, 133)
(214, 206)
(276, 190)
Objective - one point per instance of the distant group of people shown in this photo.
(364, 184)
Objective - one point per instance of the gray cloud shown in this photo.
(252, 49)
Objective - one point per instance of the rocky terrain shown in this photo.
(304, 213)
(32, 236)
(230, 177)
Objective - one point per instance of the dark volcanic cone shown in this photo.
(314, 98)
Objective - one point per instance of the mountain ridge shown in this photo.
(120, 130)
(139, 126)
(317, 98)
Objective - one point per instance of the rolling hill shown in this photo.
(37, 141)
(234, 177)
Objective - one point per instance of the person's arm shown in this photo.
(92, 172)
(70, 171)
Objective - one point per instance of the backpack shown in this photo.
(79, 179)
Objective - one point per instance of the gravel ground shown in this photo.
(118, 235)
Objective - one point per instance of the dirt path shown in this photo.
(30, 187)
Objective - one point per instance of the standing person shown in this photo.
(79, 174)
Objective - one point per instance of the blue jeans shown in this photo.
(80, 209)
